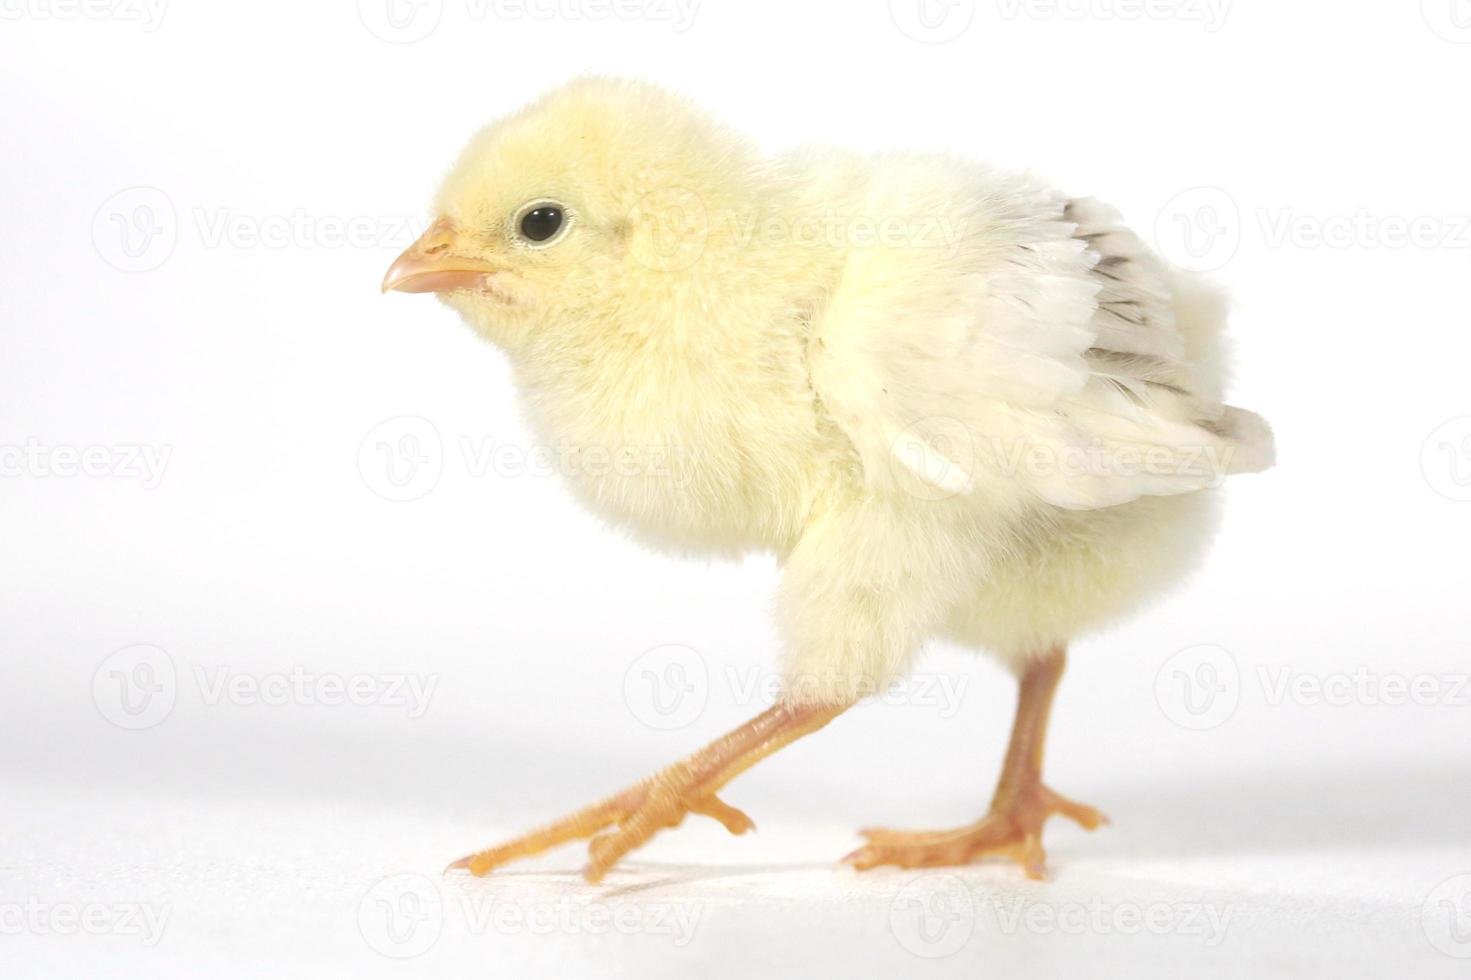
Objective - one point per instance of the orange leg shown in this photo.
(1019, 808)
(662, 800)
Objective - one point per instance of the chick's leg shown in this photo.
(663, 800)
(1019, 808)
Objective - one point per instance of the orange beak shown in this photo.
(430, 265)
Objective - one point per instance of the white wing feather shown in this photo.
(1031, 346)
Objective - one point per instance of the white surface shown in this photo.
(1319, 827)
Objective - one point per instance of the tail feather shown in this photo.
(1254, 447)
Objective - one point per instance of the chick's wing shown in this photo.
(991, 336)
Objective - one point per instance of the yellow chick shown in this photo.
(953, 401)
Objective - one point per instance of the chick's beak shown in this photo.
(431, 264)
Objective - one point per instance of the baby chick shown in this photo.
(953, 401)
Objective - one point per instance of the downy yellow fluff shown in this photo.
(953, 401)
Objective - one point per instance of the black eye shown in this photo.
(541, 223)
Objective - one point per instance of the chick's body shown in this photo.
(952, 400)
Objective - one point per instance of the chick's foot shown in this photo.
(1012, 829)
(629, 819)
(1019, 808)
(635, 815)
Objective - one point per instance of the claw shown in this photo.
(735, 821)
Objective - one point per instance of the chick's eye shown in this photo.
(541, 223)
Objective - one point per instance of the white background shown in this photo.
(216, 316)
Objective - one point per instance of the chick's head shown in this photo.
(594, 203)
